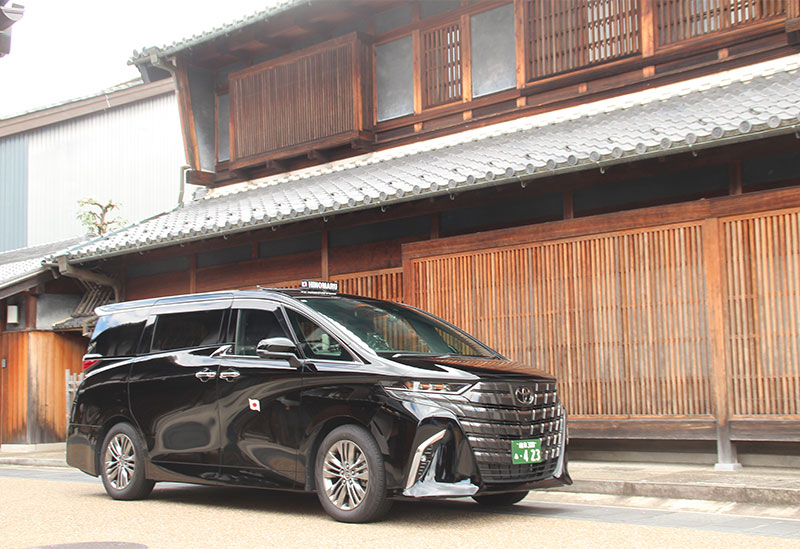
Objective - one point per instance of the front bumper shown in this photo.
(467, 449)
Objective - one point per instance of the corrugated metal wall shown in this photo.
(131, 155)
(13, 192)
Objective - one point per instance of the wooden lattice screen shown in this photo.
(385, 284)
(763, 313)
(301, 100)
(441, 65)
(683, 19)
(619, 319)
(563, 35)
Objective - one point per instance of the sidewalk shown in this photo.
(752, 485)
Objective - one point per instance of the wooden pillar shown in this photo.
(735, 177)
(569, 206)
(193, 273)
(720, 388)
(324, 255)
(648, 26)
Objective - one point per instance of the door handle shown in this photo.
(229, 375)
(205, 374)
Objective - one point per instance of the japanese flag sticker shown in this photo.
(255, 404)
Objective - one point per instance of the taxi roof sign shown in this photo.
(319, 286)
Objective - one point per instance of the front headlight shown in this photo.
(397, 388)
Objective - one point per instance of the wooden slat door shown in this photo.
(762, 272)
(619, 318)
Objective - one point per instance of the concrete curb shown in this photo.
(33, 462)
(711, 492)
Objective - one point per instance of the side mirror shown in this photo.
(277, 347)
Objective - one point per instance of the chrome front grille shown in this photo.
(492, 416)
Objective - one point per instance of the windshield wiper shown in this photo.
(421, 355)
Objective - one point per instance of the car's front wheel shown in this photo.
(350, 476)
(123, 467)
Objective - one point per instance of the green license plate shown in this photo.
(526, 451)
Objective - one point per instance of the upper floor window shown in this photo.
(683, 19)
(441, 65)
(570, 34)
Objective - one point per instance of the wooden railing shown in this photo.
(315, 98)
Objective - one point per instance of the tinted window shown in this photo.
(182, 330)
(391, 328)
(253, 326)
(315, 341)
(117, 334)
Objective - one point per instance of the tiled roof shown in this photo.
(277, 6)
(18, 265)
(742, 104)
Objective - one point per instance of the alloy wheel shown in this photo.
(345, 475)
(120, 461)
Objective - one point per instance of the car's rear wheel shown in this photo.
(123, 468)
(350, 476)
(500, 500)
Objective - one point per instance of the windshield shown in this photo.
(389, 328)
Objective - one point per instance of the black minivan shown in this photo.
(363, 401)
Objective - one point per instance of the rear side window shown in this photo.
(183, 330)
(117, 334)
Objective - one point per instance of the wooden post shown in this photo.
(193, 273)
(569, 207)
(324, 255)
(720, 388)
(735, 177)
(648, 26)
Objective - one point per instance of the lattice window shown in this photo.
(441, 65)
(563, 35)
(683, 19)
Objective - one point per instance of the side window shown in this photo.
(182, 330)
(252, 326)
(316, 342)
(117, 335)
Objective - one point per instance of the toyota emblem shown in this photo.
(524, 395)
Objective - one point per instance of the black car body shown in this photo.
(246, 388)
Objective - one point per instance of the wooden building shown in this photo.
(37, 347)
(607, 189)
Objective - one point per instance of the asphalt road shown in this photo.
(41, 507)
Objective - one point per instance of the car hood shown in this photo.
(481, 367)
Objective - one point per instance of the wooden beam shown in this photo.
(199, 177)
(187, 120)
(642, 429)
